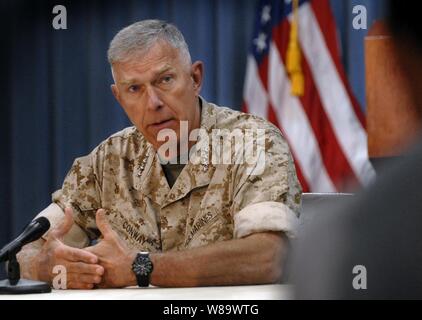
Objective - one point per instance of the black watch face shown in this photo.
(142, 266)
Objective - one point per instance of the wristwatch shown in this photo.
(142, 267)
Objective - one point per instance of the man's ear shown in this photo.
(115, 91)
(197, 75)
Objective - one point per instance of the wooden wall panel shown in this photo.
(391, 118)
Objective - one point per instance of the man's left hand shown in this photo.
(113, 255)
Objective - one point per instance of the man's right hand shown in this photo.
(82, 269)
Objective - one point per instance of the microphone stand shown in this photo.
(15, 285)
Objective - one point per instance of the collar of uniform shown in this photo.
(195, 175)
(153, 183)
(208, 115)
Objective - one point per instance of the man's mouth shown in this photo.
(162, 124)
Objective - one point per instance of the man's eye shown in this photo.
(166, 79)
(133, 88)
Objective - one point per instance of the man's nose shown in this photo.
(153, 100)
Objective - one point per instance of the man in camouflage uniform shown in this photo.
(204, 222)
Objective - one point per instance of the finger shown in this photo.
(92, 249)
(75, 255)
(80, 267)
(102, 285)
(83, 278)
(66, 225)
(80, 285)
(103, 224)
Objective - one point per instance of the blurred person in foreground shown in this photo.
(371, 248)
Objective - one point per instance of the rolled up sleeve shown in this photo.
(76, 237)
(264, 217)
(268, 199)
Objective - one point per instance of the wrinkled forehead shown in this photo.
(160, 57)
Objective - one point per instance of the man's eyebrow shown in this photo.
(128, 81)
(163, 70)
(156, 74)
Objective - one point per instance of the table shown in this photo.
(257, 292)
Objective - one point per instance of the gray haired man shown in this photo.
(169, 224)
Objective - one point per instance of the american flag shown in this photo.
(324, 124)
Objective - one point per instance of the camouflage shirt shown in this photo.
(207, 203)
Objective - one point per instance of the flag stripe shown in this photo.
(256, 102)
(300, 176)
(334, 160)
(335, 99)
(255, 95)
(325, 18)
(294, 122)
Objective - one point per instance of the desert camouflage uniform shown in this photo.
(207, 203)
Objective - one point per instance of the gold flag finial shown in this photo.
(294, 67)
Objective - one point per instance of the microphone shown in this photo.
(33, 231)
(14, 284)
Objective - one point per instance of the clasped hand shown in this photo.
(105, 265)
